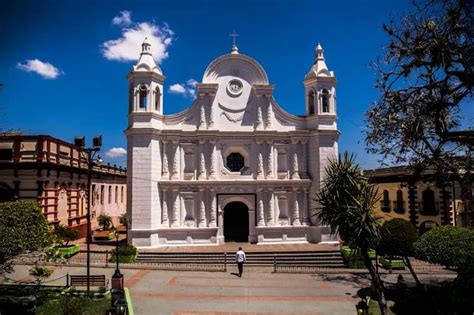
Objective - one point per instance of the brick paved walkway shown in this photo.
(254, 293)
(198, 293)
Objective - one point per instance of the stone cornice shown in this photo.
(207, 88)
(146, 74)
(263, 89)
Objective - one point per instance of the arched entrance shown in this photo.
(236, 222)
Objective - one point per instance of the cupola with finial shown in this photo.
(320, 87)
(146, 83)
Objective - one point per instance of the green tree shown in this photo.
(105, 221)
(396, 239)
(23, 229)
(65, 234)
(425, 76)
(346, 204)
(40, 273)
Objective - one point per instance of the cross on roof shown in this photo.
(234, 36)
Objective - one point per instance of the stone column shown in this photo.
(164, 209)
(175, 206)
(165, 172)
(270, 159)
(271, 209)
(260, 208)
(269, 113)
(296, 208)
(175, 160)
(211, 110)
(212, 160)
(305, 219)
(295, 169)
(304, 159)
(202, 160)
(260, 174)
(212, 212)
(202, 207)
(202, 117)
(259, 120)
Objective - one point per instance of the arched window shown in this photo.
(157, 98)
(385, 203)
(400, 208)
(325, 101)
(94, 193)
(428, 206)
(102, 192)
(235, 162)
(121, 194)
(110, 194)
(130, 98)
(143, 96)
(116, 194)
(311, 103)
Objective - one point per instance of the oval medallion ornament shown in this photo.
(235, 87)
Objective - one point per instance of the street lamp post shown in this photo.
(117, 278)
(91, 152)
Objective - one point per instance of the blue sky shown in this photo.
(88, 94)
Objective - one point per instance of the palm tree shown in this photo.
(346, 203)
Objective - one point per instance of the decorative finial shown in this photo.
(146, 45)
(234, 49)
(319, 52)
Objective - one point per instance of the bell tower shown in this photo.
(320, 87)
(145, 84)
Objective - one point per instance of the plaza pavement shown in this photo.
(157, 292)
(259, 291)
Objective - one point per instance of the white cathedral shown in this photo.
(234, 166)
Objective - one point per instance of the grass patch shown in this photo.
(74, 305)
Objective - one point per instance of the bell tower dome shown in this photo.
(145, 84)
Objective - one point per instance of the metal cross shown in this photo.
(233, 35)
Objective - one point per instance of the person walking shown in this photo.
(240, 259)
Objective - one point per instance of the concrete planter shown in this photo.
(68, 251)
(392, 263)
(104, 235)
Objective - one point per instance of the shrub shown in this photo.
(447, 245)
(397, 237)
(73, 304)
(105, 221)
(65, 234)
(127, 254)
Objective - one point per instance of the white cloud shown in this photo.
(129, 45)
(124, 18)
(44, 69)
(187, 88)
(177, 89)
(116, 152)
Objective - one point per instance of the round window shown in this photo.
(235, 87)
(235, 162)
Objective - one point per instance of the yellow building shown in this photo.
(418, 199)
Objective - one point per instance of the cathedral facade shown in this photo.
(234, 166)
